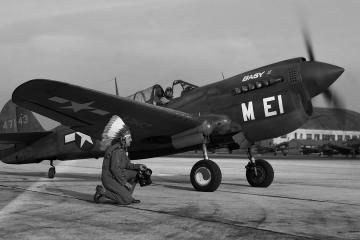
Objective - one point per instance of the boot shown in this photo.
(99, 192)
(136, 201)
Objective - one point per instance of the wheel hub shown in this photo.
(260, 175)
(203, 176)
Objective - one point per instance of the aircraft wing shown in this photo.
(26, 137)
(88, 111)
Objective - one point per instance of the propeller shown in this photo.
(329, 95)
(332, 98)
(308, 44)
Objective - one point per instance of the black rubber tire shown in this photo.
(215, 174)
(51, 172)
(265, 174)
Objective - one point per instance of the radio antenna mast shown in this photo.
(116, 87)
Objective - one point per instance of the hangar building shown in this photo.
(327, 124)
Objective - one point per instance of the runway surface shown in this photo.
(309, 199)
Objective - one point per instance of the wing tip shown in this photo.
(20, 91)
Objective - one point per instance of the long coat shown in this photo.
(116, 171)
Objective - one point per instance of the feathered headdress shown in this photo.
(114, 129)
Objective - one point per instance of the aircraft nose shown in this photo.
(318, 76)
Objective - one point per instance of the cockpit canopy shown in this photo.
(180, 88)
(147, 95)
(157, 96)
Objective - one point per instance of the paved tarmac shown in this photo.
(309, 199)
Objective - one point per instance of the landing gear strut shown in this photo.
(52, 171)
(205, 175)
(259, 173)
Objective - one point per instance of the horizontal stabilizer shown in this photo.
(21, 138)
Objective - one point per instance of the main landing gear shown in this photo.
(259, 173)
(205, 175)
(52, 171)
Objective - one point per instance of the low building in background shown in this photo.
(327, 124)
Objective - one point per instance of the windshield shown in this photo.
(155, 95)
(180, 88)
(149, 95)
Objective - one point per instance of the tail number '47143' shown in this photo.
(268, 104)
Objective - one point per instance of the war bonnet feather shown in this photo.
(114, 129)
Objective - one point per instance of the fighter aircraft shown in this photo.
(263, 103)
(329, 148)
(354, 144)
(324, 149)
(310, 149)
(347, 148)
(275, 149)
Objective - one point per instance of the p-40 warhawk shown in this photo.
(263, 103)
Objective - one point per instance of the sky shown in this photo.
(143, 42)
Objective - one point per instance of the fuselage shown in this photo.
(62, 144)
(263, 103)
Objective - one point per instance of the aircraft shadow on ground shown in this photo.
(192, 189)
(236, 184)
(184, 179)
(79, 177)
(172, 179)
(176, 187)
(178, 179)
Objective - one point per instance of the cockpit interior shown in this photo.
(157, 96)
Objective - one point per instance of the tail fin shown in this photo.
(14, 119)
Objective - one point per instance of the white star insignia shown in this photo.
(69, 138)
(84, 138)
(76, 107)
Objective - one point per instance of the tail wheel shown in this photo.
(205, 176)
(263, 176)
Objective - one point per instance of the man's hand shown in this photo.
(143, 167)
(128, 186)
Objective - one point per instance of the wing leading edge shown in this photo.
(89, 111)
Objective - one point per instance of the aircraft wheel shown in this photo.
(264, 173)
(51, 172)
(205, 176)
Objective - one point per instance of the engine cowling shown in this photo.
(274, 116)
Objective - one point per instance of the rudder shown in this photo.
(14, 119)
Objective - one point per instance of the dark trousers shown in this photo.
(131, 178)
(117, 192)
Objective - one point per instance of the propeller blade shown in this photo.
(327, 95)
(308, 44)
(333, 98)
